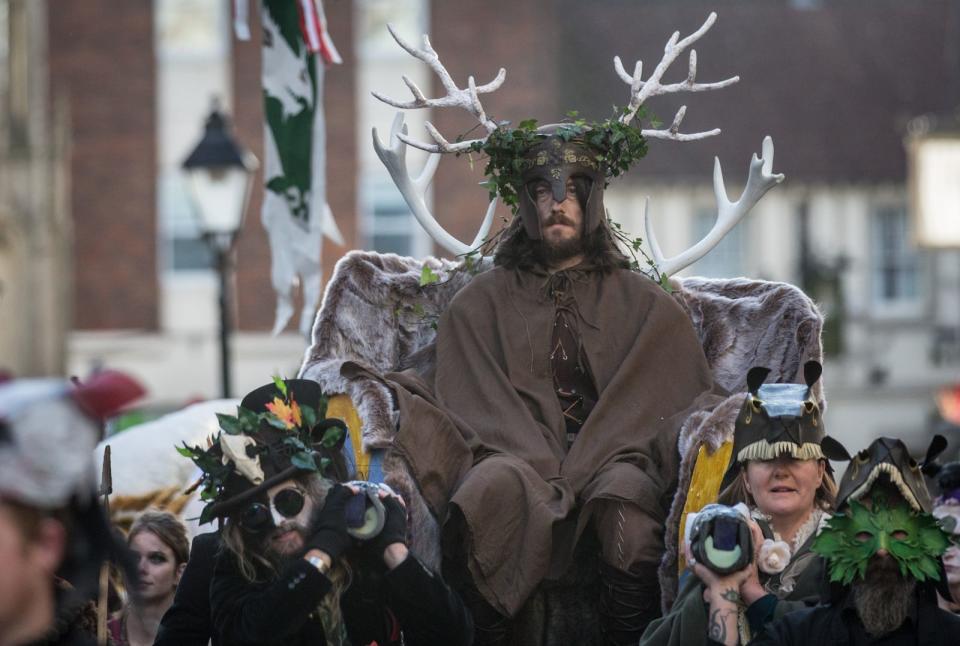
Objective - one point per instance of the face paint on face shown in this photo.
(290, 531)
(851, 539)
(948, 515)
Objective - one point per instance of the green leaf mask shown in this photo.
(850, 539)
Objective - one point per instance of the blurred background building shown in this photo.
(101, 100)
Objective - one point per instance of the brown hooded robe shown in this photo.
(491, 438)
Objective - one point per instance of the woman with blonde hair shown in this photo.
(158, 540)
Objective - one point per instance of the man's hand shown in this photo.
(391, 543)
(330, 535)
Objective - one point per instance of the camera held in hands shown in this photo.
(720, 538)
(365, 512)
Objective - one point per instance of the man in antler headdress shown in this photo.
(562, 375)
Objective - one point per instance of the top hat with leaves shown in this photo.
(280, 431)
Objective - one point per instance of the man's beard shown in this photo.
(278, 557)
(884, 598)
(554, 252)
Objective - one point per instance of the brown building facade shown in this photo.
(103, 66)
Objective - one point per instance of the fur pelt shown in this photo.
(376, 313)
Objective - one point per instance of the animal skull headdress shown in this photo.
(900, 523)
(779, 419)
(279, 431)
(889, 458)
(573, 152)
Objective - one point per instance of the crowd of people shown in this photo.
(295, 561)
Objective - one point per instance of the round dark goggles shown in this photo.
(257, 518)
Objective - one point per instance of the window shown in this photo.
(894, 261)
(192, 50)
(389, 225)
(726, 259)
(185, 250)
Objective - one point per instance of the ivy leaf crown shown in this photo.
(295, 423)
(618, 146)
(851, 538)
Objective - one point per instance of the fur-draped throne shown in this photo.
(375, 313)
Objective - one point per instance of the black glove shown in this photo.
(330, 529)
(394, 527)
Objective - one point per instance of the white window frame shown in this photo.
(903, 306)
(376, 50)
(733, 245)
(177, 220)
(379, 191)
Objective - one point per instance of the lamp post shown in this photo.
(220, 173)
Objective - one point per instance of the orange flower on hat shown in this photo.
(289, 414)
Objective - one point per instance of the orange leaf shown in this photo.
(284, 413)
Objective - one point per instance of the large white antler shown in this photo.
(641, 90)
(760, 180)
(468, 98)
(394, 158)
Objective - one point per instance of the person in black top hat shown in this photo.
(290, 569)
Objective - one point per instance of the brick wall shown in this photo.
(255, 297)
(104, 69)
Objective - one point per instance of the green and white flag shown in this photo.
(295, 212)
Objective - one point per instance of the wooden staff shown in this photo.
(106, 488)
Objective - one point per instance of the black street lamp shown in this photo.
(220, 174)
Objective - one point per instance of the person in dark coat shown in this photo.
(884, 550)
(563, 377)
(299, 562)
(187, 621)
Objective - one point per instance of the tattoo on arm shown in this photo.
(717, 629)
(731, 595)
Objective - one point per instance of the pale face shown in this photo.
(157, 567)
(951, 558)
(785, 486)
(561, 223)
(290, 533)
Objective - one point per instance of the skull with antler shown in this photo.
(555, 152)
